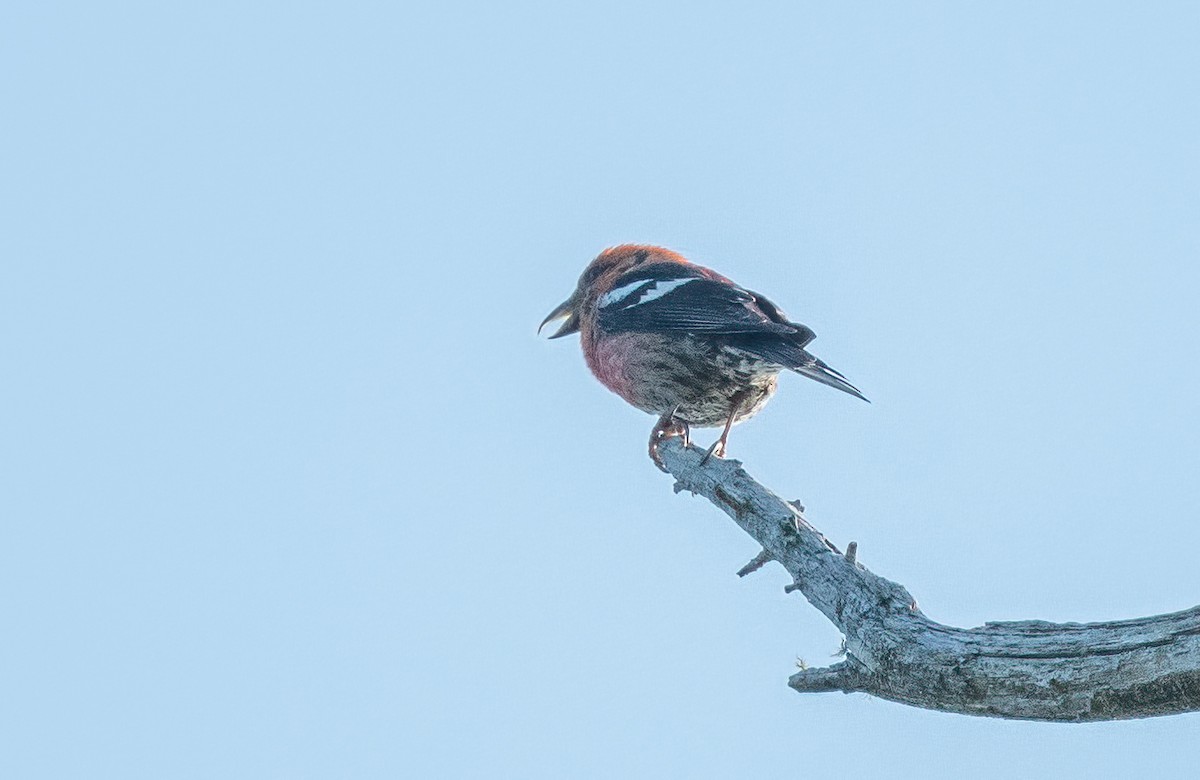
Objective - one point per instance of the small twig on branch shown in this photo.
(755, 564)
(1033, 670)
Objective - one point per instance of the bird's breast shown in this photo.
(613, 360)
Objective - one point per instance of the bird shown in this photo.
(680, 340)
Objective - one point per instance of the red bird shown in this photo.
(681, 341)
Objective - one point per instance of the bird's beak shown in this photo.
(566, 310)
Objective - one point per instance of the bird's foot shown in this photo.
(669, 426)
(717, 448)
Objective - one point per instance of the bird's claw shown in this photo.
(669, 426)
(717, 448)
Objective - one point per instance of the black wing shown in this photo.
(676, 297)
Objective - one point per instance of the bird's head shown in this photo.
(598, 278)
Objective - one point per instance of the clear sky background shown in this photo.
(291, 489)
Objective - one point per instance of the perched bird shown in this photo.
(681, 341)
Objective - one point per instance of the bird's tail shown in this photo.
(814, 368)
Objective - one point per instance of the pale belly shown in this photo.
(701, 383)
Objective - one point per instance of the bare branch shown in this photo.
(1033, 670)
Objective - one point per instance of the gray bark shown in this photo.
(1031, 669)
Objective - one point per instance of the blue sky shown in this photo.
(292, 489)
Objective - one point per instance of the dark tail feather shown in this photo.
(815, 368)
(788, 352)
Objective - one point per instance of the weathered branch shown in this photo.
(1071, 672)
